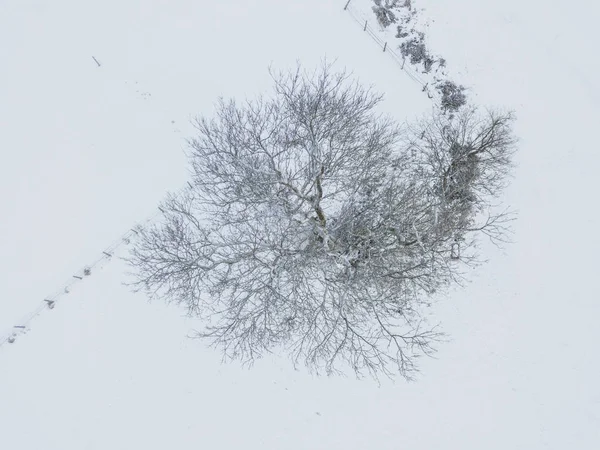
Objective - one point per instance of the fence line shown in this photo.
(21, 327)
(49, 302)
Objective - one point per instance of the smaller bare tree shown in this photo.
(317, 225)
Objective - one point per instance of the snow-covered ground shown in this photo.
(88, 151)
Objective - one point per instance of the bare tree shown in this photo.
(315, 225)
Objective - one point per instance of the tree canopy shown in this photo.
(317, 226)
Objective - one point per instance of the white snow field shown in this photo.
(87, 151)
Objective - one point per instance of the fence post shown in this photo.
(346, 7)
(365, 28)
(384, 46)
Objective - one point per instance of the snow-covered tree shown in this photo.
(317, 226)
